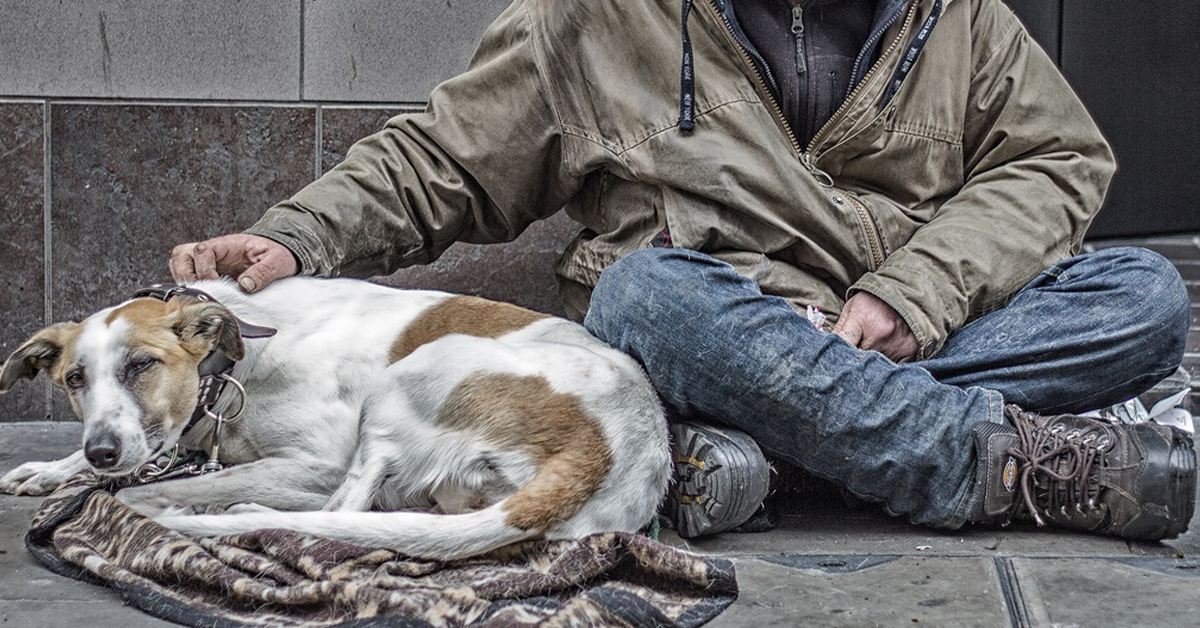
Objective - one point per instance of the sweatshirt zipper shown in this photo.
(808, 150)
(798, 35)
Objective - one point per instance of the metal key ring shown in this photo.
(237, 414)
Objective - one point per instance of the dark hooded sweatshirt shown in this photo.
(810, 47)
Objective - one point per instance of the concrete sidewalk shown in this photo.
(827, 564)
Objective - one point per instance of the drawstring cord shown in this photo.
(687, 79)
(687, 70)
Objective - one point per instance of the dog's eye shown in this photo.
(138, 365)
(75, 379)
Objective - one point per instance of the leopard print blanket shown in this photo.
(276, 578)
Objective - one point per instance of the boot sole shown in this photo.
(718, 485)
(1172, 487)
(1183, 476)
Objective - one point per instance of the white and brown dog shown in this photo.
(471, 424)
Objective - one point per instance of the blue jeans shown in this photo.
(1088, 332)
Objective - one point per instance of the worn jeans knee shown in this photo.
(1087, 332)
(627, 289)
(1154, 297)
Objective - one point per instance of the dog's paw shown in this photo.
(238, 509)
(179, 510)
(34, 478)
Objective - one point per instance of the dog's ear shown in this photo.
(212, 324)
(40, 352)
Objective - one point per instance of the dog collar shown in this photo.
(214, 369)
(166, 292)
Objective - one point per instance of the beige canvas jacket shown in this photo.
(982, 170)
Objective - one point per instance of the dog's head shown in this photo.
(130, 372)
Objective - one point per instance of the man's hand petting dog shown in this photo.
(254, 261)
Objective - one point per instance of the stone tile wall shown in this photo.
(96, 193)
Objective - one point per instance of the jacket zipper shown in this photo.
(866, 78)
(874, 244)
(871, 233)
(764, 90)
(874, 241)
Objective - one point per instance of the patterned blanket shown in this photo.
(275, 578)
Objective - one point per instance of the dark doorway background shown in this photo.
(1137, 66)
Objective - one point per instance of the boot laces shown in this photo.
(1063, 460)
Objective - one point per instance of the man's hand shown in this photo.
(870, 324)
(253, 260)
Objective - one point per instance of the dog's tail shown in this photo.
(560, 490)
(420, 534)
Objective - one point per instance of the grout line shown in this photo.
(319, 141)
(1062, 16)
(215, 102)
(302, 3)
(1010, 588)
(47, 242)
(47, 250)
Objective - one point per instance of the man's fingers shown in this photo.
(849, 332)
(182, 265)
(255, 261)
(270, 261)
(204, 258)
(257, 277)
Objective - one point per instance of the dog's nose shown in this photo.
(102, 450)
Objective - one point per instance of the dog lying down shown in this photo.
(470, 424)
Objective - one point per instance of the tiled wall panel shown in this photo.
(132, 181)
(388, 51)
(194, 49)
(22, 257)
(1134, 64)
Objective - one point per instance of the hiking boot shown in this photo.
(721, 478)
(1132, 481)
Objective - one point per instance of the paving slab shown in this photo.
(891, 591)
(1091, 592)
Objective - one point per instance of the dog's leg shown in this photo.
(277, 483)
(39, 478)
(361, 485)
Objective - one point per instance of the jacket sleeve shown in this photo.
(482, 162)
(1037, 170)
